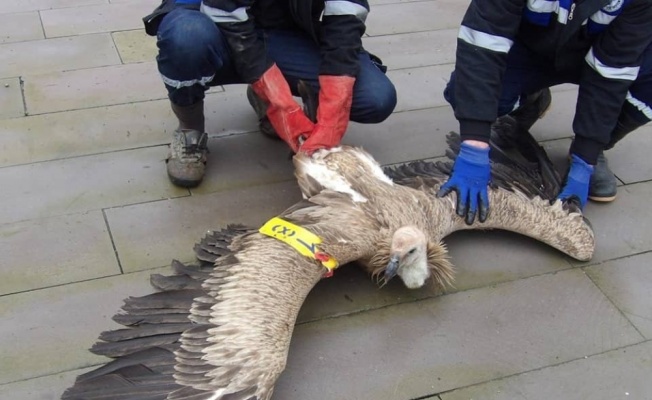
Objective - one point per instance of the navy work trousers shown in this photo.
(193, 55)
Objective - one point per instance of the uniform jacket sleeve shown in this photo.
(340, 36)
(485, 37)
(612, 65)
(237, 25)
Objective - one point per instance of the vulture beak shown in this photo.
(392, 267)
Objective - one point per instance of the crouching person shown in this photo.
(270, 45)
(511, 51)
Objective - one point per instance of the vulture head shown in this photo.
(414, 258)
(407, 257)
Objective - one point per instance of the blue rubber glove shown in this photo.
(577, 181)
(470, 179)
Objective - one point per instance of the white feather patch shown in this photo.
(373, 165)
(217, 394)
(328, 178)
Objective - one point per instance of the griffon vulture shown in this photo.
(222, 331)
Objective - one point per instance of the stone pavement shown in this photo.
(88, 213)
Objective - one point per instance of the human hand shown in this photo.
(576, 184)
(284, 113)
(335, 98)
(470, 179)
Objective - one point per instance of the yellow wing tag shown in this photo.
(301, 239)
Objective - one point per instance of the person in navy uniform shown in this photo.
(511, 51)
(270, 45)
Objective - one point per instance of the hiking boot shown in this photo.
(534, 107)
(602, 187)
(186, 161)
(260, 107)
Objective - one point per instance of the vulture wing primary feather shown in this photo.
(221, 330)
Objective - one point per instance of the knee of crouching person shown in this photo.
(380, 105)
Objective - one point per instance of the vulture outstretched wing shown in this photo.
(518, 163)
(524, 185)
(222, 331)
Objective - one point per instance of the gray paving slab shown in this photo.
(405, 136)
(63, 54)
(48, 331)
(486, 258)
(423, 87)
(174, 226)
(135, 46)
(13, 6)
(415, 16)
(78, 248)
(82, 132)
(93, 19)
(350, 290)
(11, 99)
(84, 184)
(626, 282)
(629, 158)
(617, 374)
(45, 388)
(246, 160)
(18, 27)
(119, 127)
(95, 87)
(622, 227)
(414, 49)
(427, 347)
(230, 113)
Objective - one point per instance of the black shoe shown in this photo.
(260, 108)
(534, 107)
(603, 185)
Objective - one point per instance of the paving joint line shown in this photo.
(115, 249)
(81, 281)
(21, 84)
(613, 303)
(434, 296)
(95, 209)
(570, 267)
(536, 369)
(86, 155)
(115, 46)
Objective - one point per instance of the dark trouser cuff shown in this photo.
(475, 130)
(630, 119)
(587, 149)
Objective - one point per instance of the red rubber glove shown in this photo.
(335, 97)
(284, 113)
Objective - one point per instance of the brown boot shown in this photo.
(186, 162)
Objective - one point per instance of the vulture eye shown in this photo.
(412, 251)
